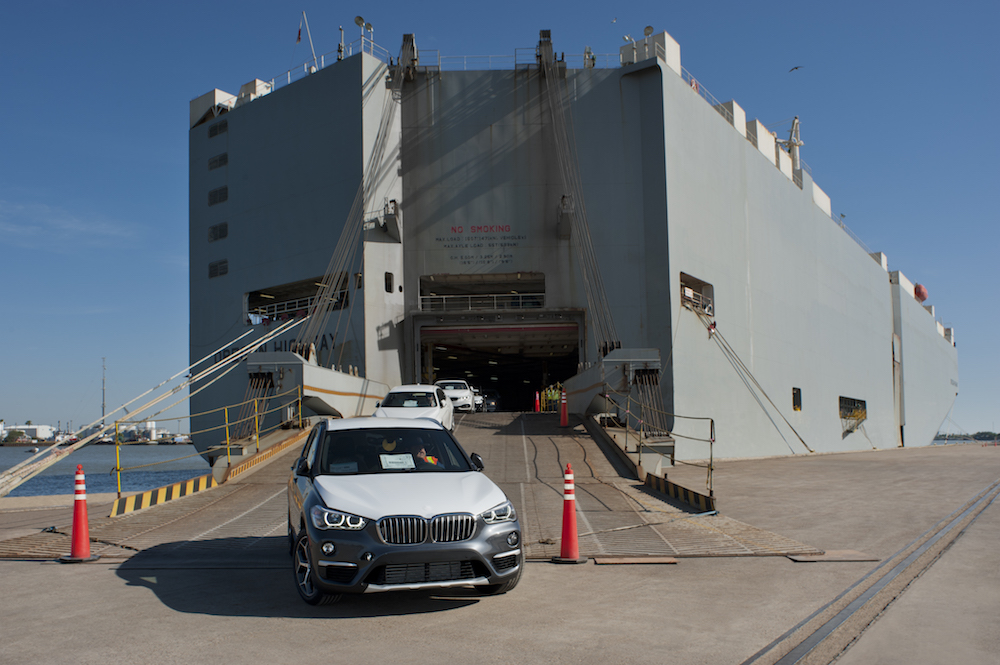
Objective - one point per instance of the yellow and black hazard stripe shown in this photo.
(702, 502)
(263, 456)
(135, 502)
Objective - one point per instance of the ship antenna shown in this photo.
(309, 35)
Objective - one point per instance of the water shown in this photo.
(98, 463)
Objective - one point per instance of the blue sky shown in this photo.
(896, 100)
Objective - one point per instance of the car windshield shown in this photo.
(454, 385)
(389, 450)
(410, 399)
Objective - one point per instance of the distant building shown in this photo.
(39, 432)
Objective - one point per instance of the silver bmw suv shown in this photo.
(386, 504)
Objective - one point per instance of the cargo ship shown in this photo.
(600, 222)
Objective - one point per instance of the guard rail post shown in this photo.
(638, 447)
(256, 424)
(118, 460)
(229, 457)
(627, 416)
(711, 457)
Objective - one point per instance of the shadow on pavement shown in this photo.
(252, 577)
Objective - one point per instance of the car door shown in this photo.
(447, 410)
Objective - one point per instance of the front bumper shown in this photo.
(362, 563)
(461, 403)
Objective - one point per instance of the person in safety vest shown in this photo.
(420, 457)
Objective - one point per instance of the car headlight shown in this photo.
(502, 513)
(324, 518)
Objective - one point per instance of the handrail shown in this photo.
(852, 234)
(432, 60)
(641, 417)
(481, 301)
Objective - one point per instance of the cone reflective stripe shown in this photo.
(569, 548)
(80, 549)
(563, 412)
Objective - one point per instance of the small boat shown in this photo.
(31, 450)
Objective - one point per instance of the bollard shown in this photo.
(563, 412)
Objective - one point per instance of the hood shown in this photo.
(423, 493)
(407, 412)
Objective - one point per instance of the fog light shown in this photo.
(328, 548)
(513, 538)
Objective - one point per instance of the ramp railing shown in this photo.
(636, 415)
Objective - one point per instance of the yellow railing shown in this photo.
(257, 415)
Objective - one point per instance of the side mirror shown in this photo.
(302, 467)
(378, 404)
(477, 461)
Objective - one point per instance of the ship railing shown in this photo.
(481, 301)
(638, 417)
(696, 300)
(852, 234)
(523, 58)
(311, 66)
(294, 306)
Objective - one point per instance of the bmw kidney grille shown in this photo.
(412, 530)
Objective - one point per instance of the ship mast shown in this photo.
(792, 144)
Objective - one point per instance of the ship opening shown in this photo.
(496, 332)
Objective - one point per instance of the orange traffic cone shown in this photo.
(569, 550)
(80, 550)
(538, 405)
(563, 411)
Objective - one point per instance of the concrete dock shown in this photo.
(207, 577)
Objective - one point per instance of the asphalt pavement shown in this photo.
(223, 591)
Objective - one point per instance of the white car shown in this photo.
(459, 392)
(384, 504)
(417, 401)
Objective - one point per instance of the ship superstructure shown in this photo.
(717, 257)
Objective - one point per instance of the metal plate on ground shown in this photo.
(633, 560)
(834, 555)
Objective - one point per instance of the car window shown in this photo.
(389, 450)
(309, 452)
(421, 399)
(442, 398)
(454, 385)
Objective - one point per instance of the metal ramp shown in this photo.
(242, 523)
